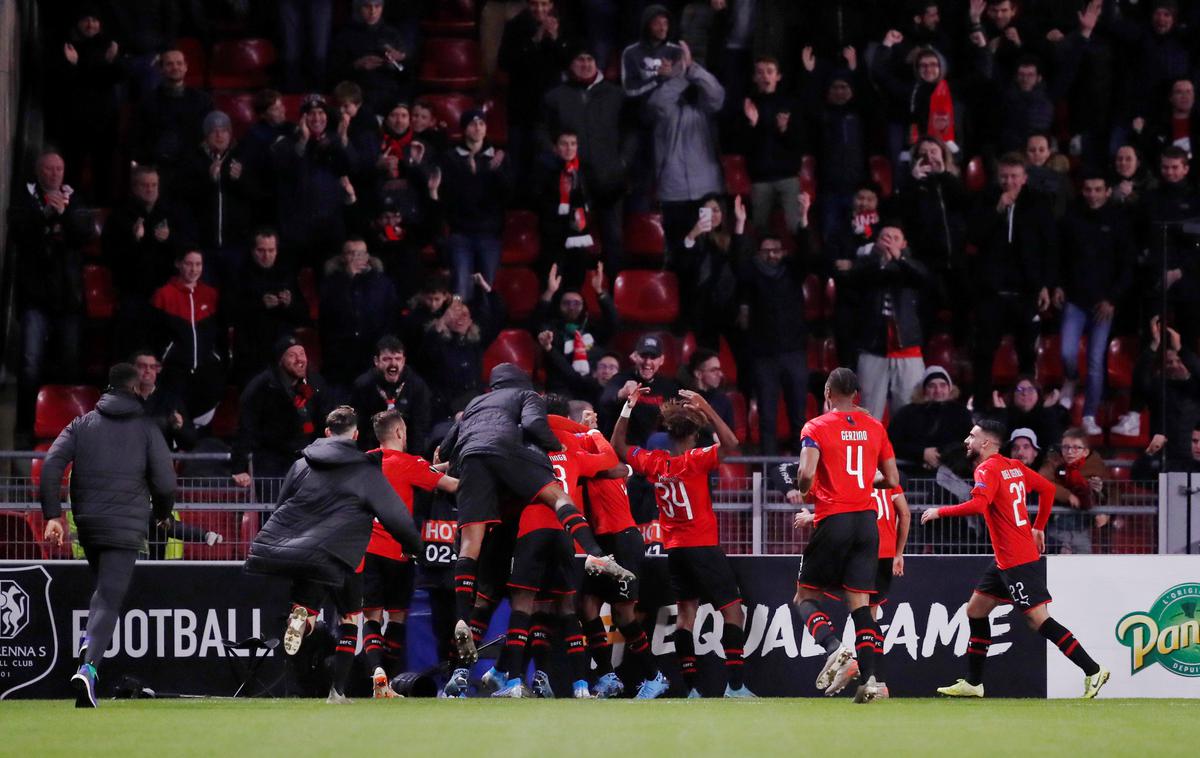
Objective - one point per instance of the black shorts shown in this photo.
(629, 550)
(387, 583)
(495, 561)
(347, 596)
(544, 562)
(843, 553)
(703, 574)
(883, 581)
(484, 478)
(1023, 585)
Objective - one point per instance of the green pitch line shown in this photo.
(663, 728)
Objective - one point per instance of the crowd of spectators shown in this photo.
(926, 191)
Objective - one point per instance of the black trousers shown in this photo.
(113, 569)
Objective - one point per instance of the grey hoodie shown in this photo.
(641, 60)
(685, 145)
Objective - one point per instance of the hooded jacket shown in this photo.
(641, 60)
(685, 146)
(122, 473)
(322, 522)
(507, 421)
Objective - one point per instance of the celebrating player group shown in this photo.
(536, 482)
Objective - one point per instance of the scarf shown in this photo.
(938, 112)
(1076, 483)
(394, 144)
(303, 393)
(567, 180)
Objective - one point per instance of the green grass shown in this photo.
(666, 728)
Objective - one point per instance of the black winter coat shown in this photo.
(410, 396)
(322, 522)
(48, 253)
(596, 112)
(269, 422)
(139, 267)
(917, 426)
(1097, 254)
(507, 421)
(122, 473)
(903, 281)
(934, 213)
(1021, 256)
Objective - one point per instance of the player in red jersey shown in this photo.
(845, 453)
(543, 563)
(606, 507)
(387, 571)
(698, 567)
(1016, 576)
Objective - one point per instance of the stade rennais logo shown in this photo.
(28, 638)
(1167, 634)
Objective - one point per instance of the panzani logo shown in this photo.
(1167, 634)
(14, 609)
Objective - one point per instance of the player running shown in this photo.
(845, 453)
(698, 568)
(999, 495)
(388, 573)
(499, 447)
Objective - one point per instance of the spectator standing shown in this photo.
(641, 62)
(47, 226)
(453, 348)
(266, 306)
(773, 143)
(358, 307)
(1131, 178)
(1175, 374)
(170, 117)
(1174, 200)
(647, 359)
(563, 196)
(1023, 446)
(279, 413)
(890, 281)
(270, 126)
(707, 267)
(304, 32)
(1097, 257)
(476, 184)
(392, 385)
(121, 476)
(160, 405)
(373, 54)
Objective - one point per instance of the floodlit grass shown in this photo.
(668, 728)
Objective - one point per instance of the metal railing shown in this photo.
(752, 518)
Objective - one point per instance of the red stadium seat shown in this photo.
(741, 425)
(829, 355)
(521, 242)
(35, 466)
(225, 420)
(99, 297)
(241, 64)
(939, 351)
(239, 106)
(291, 106)
(814, 298)
(1122, 356)
(225, 523)
(518, 288)
(1004, 364)
(18, 540)
(496, 116)
(448, 108)
(783, 428)
(1048, 370)
(647, 297)
(95, 227)
(737, 178)
(449, 63)
(306, 280)
(197, 61)
(881, 174)
(808, 175)
(976, 178)
(830, 297)
(590, 300)
(733, 477)
(450, 18)
(643, 235)
(308, 337)
(58, 405)
(511, 346)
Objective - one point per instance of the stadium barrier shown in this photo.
(182, 621)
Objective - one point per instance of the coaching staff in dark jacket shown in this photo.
(319, 530)
(499, 447)
(122, 471)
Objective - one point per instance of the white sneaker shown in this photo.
(1090, 427)
(606, 565)
(1067, 394)
(297, 628)
(845, 674)
(337, 698)
(1129, 425)
(867, 691)
(213, 538)
(833, 663)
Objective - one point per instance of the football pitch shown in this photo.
(664, 728)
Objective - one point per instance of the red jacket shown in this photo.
(188, 325)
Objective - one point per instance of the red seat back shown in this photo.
(449, 63)
(58, 405)
(225, 420)
(1048, 369)
(99, 297)
(239, 106)
(496, 116)
(1122, 355)
(511, 346)
(448, 108)
(450, 18)
(808, 175)
(1004, 364)
(737, 178)
(881, 174)
(647, 297)
(241, 64)
(643, 235)
(976, 179)
(197, 61)
(518, 288)
(814, 298)
(521, 242)
(306, 280)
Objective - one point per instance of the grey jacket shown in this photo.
(508, 421)
(685, 146)
(322, 523)
(641, 60)
(122, 470)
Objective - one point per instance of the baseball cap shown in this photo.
(1028, 434)
(649, 344)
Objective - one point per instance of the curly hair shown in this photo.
(681, 421)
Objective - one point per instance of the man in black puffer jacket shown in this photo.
(122, 472)
(319, 531)
(499, 447)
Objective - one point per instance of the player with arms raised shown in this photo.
(1001, 486)
(842, 451)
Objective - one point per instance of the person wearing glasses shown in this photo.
(1078, 474)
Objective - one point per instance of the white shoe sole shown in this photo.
(843, 677)
(836, 660)
(297, 627)
(464, 643)
(607, 566)
(866, 693)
